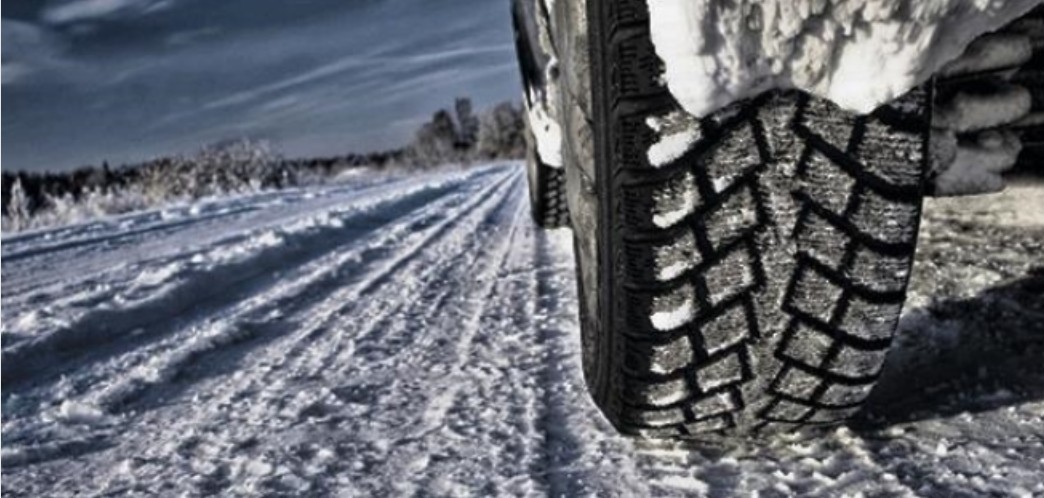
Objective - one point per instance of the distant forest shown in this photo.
(459, 136)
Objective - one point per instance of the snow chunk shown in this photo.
(675, 201)
(668, 219)
(992, 52)
(678, 132)
(72, 412)
(674, 310)
(857, 53)
(969, 112)
(977, 167)
(676, 258)
(672, 319)
(671, 147)
(546, 131)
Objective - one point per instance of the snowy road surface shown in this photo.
(417, 336)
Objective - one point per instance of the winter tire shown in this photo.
(547, 194)
(752, 284)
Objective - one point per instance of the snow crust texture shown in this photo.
(418, 336)
(857, 53)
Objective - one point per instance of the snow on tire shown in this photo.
(756, 264)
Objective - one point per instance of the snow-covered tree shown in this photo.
(501, 133)
(467, 123)
(19, 206)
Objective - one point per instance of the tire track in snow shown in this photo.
(450, 401)
(268, 393)
(48, 240)
(229, 273)
(116, 240)
(435, 231)
(37, 281)
(200, 341)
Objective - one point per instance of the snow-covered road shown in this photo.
(417, 336)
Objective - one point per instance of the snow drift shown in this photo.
(856, 53)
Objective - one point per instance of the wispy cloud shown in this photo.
(191, 36)
(346, 64)
(73, 11)
(26, 48)
(119, 80)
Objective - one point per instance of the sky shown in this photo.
(86, 81)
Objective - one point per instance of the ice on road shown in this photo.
(418, 336)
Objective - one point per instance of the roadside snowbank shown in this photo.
(856, 53)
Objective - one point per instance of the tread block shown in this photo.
(717, 404)
(676, 258)
(672, 310)
(656, 207)
(806, 345)
(726, 330)
(884, 220)
(868, 321)
(675, 201)
(655, 418)
(709, 425)
(822, 119)
(796, 383)
(731, 158)
(832, 415)
(845, 395)
(786, 411)
(777, 122)
(733, 218)
(659, 394)
(904, 149)
(878, 272)
(819, 239)
(721, 372)
(661, 359)
(815, 295)
(669, 432)
(828, 185)
(649, 262)
(856, 363)
(731, 276)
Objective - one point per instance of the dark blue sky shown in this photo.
(125, 80)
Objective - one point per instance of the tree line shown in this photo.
(40, 199)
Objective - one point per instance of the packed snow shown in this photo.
(677, 133)
(546, 131)
(418, 336)
(977, 167)
(856, 53)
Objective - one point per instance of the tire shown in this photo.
(752, 285)
(547, 190)
(547, 184)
